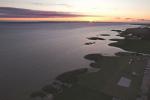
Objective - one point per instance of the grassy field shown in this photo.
(140, 46)
(136, 40)
(112, 69)
(80, 92)
(102, 85)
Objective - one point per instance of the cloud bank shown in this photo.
(133, 19)
(9, 12)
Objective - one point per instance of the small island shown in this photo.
(95, 38)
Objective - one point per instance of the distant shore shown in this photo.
(136, 40)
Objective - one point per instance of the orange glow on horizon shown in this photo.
(83, 10)
(51, 19)
(89, 19)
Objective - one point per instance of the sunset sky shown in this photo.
(75, 10)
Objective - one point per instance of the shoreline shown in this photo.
(122, 73)
(138, 35)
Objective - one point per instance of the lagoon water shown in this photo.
(33, 54)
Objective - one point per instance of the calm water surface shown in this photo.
(33, 54)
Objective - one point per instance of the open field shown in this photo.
(140, 46)
(103, 84)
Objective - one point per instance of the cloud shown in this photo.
(117, 18)
(66, 5)
(132, 19)
(52, 4)
(138, 20)
(9, 12)
(143, 20)
(129, 18)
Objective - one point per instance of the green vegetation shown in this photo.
(148, 94)
(40, 94)
(112, 69)
(140, 46)
(72, 76)
(80, 92)
(137, 33)
(136, 40)
(82, 84)
(49, 89)
(95, 38)
(105, 34)
(62, 82)
(89, 43)
(102, 85)
(117, 31)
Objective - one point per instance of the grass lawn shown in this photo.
(78, 92)
(141, 46)
(112, 69)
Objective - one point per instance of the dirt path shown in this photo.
(146, 83)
